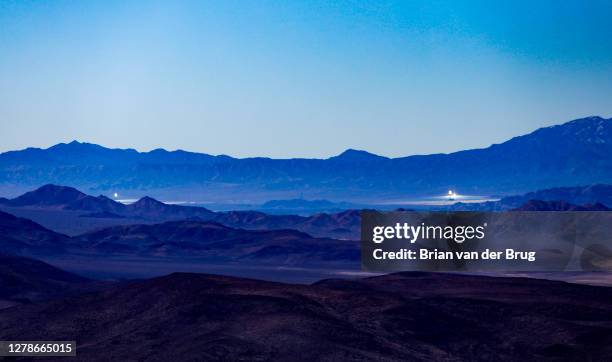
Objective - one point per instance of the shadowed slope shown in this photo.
(22, 236)
(217, 242)
(23, 280)
(406, 316)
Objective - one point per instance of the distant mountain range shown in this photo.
(395, 317)
(539, 205)
(152, 229)
(68, 198)
(50, 203)
(217, 242)
(590, 197)
(304, 206)
(67, 210)
(575, 153)
(205, 240)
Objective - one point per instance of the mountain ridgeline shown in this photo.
(162, 230)
(52, 203)
(575, 153)
(185, 239)
(589, 197)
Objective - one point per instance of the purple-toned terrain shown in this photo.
(396, 317)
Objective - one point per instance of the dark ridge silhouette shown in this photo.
(69, 198)
(578, 195)
(63, 197)
(24, 280)
(148, 207)
(22, 236)
(351, 155)
(49, 195)
(396, 317)
(192, 238)
(185, 239)
(342, 225)
(559, 205)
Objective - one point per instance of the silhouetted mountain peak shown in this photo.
(357, 155)
(49, 195)
(147, 202)
(77, 152)
(75, 145)
(588, 130)
(64, 197)
(591, 120)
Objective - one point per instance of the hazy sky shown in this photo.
(299, 79)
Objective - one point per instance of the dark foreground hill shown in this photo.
(397, 317)
(25, 280)
(574, 153)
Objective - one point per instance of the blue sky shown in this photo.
(299, 79)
